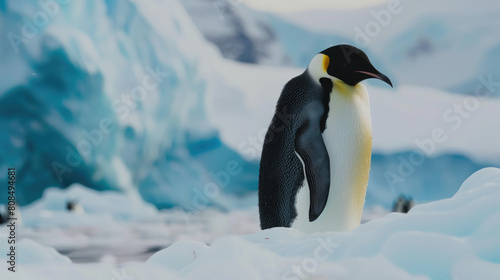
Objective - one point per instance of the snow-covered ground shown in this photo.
(455, 238)
(122, 227)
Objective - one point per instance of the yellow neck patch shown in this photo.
(342, 87)
(326, 62)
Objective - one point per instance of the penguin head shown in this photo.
(345, 63)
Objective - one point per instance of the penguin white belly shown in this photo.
(348, 140)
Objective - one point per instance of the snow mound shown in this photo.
(31, 252)
(179, 255)
(440, 240)
(485, 176)
(455, 238)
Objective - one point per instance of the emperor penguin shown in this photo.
(74, 206)
(317, 151)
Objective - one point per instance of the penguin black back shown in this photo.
(300, 117)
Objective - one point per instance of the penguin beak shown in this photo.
(377, 75)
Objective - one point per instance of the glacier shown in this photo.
(454, 238)
(113, 103)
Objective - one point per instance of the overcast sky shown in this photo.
(300, 5)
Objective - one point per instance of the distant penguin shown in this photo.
(403, 204)
(316, 155)
(74, 206)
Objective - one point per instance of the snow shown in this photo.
(120, 227)
(178, 255)
(487, 176)
(433, 241)
(31, 252)
(455, 238)
(98, 208)
(415, 112)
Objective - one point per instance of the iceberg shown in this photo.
(113, 103)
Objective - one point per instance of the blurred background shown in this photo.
(120, 112)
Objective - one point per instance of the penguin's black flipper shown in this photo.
(311, 148)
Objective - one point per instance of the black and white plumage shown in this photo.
(316, 155)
